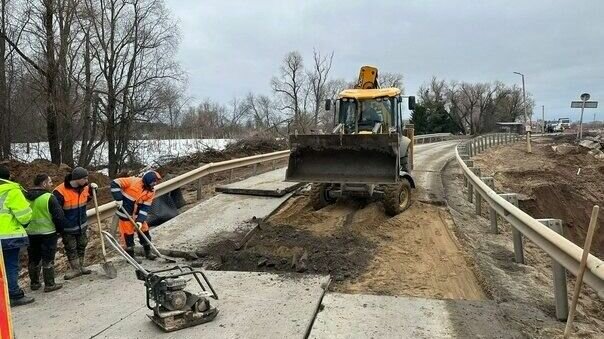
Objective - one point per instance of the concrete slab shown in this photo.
(222, 216)
(252, 305)
(82, 308)
(372, 316)
(266, 184)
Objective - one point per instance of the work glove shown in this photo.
(119, 204)
(94, 186)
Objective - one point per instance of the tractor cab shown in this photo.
(365, 111)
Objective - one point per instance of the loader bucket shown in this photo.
(347, 158)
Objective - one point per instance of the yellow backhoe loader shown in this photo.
(368, 153)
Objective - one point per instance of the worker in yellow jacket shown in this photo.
(15, 215)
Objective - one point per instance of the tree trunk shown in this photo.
(110, 131)
(5, 139)
(51, 90)
(86, 106)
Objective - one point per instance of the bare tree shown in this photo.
(170, 94)
(289, 87)
(133, 45)
(473, 107)
(5, 114)
(317, 80)
(387, 79)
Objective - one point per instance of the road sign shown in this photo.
(6, 325)
(588, 104)
(583, 104)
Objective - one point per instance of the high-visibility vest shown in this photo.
(136, 198)
(41, 219)
(14, 210)
(74, 207)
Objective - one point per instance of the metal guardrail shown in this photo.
(560, 249)
(108, 210)
(427, 138)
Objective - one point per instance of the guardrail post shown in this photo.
(198, 189)
(469, 163)
(478, 197)
(489, 181)
(273, 164)
(463, 150)
(512, 198)
(560, 293)
(470, 148)
(232, 175)
(484, 143)
(470, 188)
(255, 169)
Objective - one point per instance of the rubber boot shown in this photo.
(83, 269)
(49, 279)
(34, 276)
(24, 300)
(148, 254)
(74, 271)
(130, 252)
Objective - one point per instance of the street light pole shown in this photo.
(543, 118)
(528, 132)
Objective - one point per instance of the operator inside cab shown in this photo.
(370, 115)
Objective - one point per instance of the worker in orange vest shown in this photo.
(73, 195)
(135, 195)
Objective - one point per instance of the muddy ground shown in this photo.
(523, 292)
(363, 250)
(549, 184)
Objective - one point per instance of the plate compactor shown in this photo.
(173, 307)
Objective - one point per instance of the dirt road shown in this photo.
(414, 253)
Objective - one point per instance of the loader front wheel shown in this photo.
(397, 197)
(319, 196)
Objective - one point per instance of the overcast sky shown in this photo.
(232, 47)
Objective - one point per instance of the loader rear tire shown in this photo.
(319, 196)
(397, 197)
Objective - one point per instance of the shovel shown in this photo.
(108, 267)
(145, 237)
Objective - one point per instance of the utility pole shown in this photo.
(526, 120)
(543, 118)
